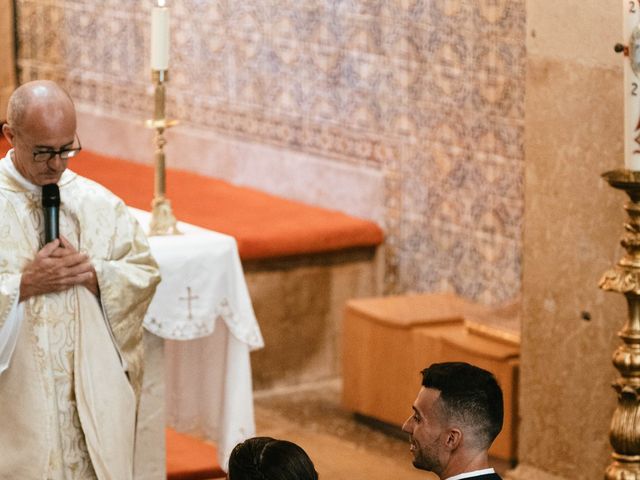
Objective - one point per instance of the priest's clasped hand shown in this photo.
(57, 267)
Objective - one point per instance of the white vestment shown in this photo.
(71, 363)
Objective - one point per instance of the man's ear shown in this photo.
(454, 439)
(8, 133)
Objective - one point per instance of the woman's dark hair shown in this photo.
(265, 458)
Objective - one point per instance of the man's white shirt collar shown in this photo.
(475, 473)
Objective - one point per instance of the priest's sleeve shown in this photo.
(9, 316)
(127, 280)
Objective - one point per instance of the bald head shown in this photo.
(34, 104)
(40, 118)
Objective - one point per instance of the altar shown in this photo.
(201, 322)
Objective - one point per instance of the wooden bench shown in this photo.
(387, 341)
(264, 225)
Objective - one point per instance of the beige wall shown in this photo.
(409, 112)
(572, 224)
(7, 61)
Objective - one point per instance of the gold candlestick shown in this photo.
(624, 278)
(163, 222)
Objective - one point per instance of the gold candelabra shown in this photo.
(163, 222)
(624, 278)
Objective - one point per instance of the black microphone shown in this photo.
(51, 206)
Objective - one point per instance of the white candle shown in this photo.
(160, 36)
(631, 19)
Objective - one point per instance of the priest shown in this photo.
(71, 310)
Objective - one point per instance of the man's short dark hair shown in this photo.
(469, 395)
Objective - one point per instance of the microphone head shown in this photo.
(50, 195)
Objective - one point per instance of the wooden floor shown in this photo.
(342, 447)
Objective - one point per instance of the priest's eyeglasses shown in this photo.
(46, 155)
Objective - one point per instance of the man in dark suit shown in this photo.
(457, 415)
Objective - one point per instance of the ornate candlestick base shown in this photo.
(625, 278)
(163, 221)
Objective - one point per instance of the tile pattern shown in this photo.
(429, 92)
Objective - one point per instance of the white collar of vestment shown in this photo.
(10, 169)
(475, 473)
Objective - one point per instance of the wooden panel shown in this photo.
(380, 378)
(407, 311)
(377, 369)
(387, 341)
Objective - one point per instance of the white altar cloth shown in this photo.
(203, 299)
